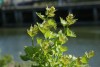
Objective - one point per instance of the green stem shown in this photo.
(64, 30)
(32, 41)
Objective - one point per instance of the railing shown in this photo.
(28, 2)
(25, 15)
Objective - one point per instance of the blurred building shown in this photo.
(21, 13)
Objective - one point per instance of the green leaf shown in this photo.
(49, 34)
(63, 48)
(84, 60)
(87, 56)
(40, 16)
(70, 33)
(63, 22)
(50, 12)
(39, 40)
(52, 23)
(29, 50)
(41, 28)
(32, 31)
(24, 57)
(70, 19)
(65, 61)
(62, 37)
(90, 54)
(45, 46)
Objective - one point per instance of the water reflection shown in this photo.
(12, 41)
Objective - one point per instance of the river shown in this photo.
(12, 41)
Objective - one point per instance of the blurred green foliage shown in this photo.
(5, 60)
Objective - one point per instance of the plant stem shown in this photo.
(32, 41)
(64, 29)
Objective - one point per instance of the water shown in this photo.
(12, 41)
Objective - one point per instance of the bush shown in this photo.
(49, 50)
(5, 60)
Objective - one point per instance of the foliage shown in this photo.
(49, 50)
(5, 60)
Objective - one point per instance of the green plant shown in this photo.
(49, 50)
(5, 60)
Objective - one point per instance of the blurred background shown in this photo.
(17, 15)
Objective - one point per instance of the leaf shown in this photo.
(50, 12)
(52, 23)
(32, 31)
(63, 48)
(90, 54)
(65, 60)
(78, 61)
(63, 22)
(87, 56)
(40, 16)
(39, 40)
(45, 46)
(70, 19)
(41, 28)
(24, 57)
(84, 60)
(70, 33)
(29, 50)
(62, 37)
(35, 29)
(49, 34)
(52, 9)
